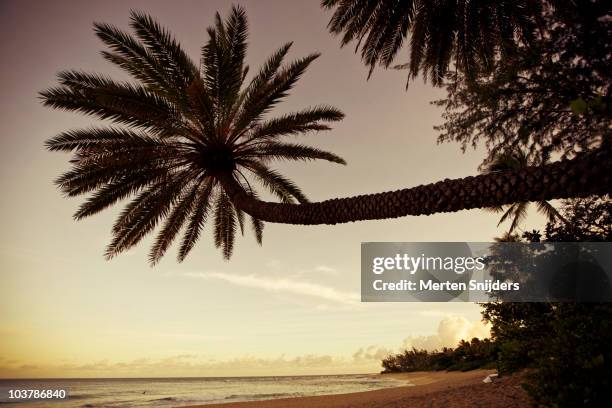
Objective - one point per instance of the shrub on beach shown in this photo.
(468, 355)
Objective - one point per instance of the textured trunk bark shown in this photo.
(585, 175)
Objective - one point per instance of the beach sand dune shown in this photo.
(431, 389)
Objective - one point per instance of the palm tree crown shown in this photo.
(183, 126)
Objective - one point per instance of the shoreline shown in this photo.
(423, 389)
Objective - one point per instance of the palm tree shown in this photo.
(194, 139)
(517, 212)
(186, 126)
(469, 33)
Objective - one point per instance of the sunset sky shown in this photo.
(288, 307)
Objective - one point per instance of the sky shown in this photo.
(288, 307)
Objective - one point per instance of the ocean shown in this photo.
(172, 392)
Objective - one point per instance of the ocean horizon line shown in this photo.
(187, 377)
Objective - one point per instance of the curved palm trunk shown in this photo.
(585, 175)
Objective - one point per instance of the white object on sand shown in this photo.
(490, 378)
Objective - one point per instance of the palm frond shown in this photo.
(278, 185)
(180, 69)
(111, 193)
(144, 213)
(85, 178)
(290, 151)
(223, 59)
(104, 138)
(133, 57)
(296, 123)
(549, 211)
(518, 212)
(197, 220)
(250, 96)
(225, 224)
(173, 224)
(123, 103)
(258, 227)
(272, 92)
(509, 212)
(240, 219)
(202, 109)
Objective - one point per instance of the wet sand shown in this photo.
(429, 389)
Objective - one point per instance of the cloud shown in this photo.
(371, 353)
(451, 330)
(282, 285)
(200, 365)
(326, 269)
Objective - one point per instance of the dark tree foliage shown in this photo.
(551, 95)
(567, 345)
(468, 355)
(589, 219)
(574, 367)
(470, 34)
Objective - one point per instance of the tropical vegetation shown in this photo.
(191, 140)
(550, 98)
(468, 355)
(565, 345)
(472, 35)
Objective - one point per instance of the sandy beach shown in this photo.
(428, 389)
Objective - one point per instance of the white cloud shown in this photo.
(451, 330)
(282, 285)
(371, 353)
(326, 269)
